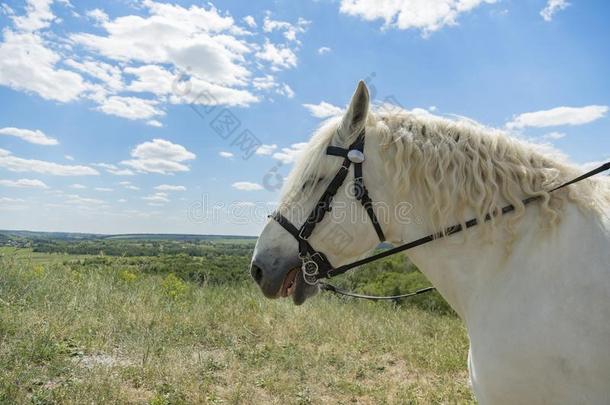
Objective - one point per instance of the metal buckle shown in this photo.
(309, 268)
(310, 280)
(301, 233)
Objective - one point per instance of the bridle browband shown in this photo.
(315, 264)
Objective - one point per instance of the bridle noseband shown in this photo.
(315, 264)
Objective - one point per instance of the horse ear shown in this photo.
(356, 114)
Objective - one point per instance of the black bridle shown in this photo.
(315, 264)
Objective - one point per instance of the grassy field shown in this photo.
(27, 256)
(106, 334)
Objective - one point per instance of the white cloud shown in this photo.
(324, 49)
(554, 135)
(157, 198)
(265, 150)
(290, 155)
(225, 154)
(152, 79)
(206, 93)
(268, 83)
(78, 200)
(69, 157)
(38, 16)
(78, 186)
(132, 54)
(23, 183)
(416, 111)
(553, 6)
(27, 65)
(10, 200)
(559, 116)
(16, 164)
(113, 169)
(132, 108)
(169, 187)
(98, 15)
(289, 30)
(427, 15)
(162, 149)
(280, 56)
(121, 172)
(159, 156)
(128, 185)
(66, 3)
(154, 123)
(122, 200)
(169, 33)
(250, 21)
(111, 76)
(205, 43)
(6, 9)
(285, 90)
(32, 136)
(323, 109)
(247, 186)
(103, 189)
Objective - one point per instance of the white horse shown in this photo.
(532, 287)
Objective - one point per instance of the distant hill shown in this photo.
(75, 236)
(47, 235)
(177, 236)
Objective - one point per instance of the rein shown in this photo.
(316, 266)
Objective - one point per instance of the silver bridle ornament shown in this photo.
(310, 269)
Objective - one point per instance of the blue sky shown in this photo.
(179, 117)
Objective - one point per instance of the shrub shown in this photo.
(173, 287)
(127, 276)
(38, 271)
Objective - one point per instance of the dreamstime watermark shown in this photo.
(336, 236)
(204, 211)
(273, 180)
(345, 212)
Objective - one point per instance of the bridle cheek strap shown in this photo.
(360, 191)
(315, 264)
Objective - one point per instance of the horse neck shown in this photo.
(457, 265)
(466, 266)
(463, 265)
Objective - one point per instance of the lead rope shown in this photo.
(448, 231)
(336, 290)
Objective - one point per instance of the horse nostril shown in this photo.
(257, 273)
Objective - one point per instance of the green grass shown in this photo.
(106, 334)
(21, 254)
